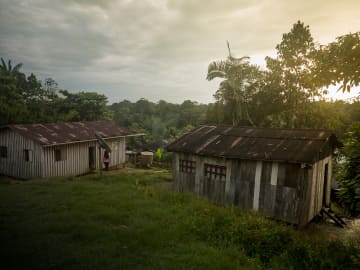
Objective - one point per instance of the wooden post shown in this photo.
(100, 163)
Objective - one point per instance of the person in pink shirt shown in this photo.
(106, 160)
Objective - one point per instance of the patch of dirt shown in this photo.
(135, 170)
(328, 229)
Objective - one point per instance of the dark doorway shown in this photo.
(92, 158)
(325, 184)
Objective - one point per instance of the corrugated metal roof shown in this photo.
(273, 144)
(70, 132)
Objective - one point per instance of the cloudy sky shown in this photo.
(157, 49)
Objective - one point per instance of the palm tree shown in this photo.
(234, 91)
(8, 70)
(11, 100)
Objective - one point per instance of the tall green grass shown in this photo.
(133, 221)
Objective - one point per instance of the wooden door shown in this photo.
(92, 158)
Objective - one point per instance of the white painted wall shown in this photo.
(42, 161)
(15, 164)
(77, 158)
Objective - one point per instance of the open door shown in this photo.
(92, 158)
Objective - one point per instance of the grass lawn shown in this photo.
(133, 221)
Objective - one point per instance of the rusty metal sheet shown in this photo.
(274, 144)
(62, 133)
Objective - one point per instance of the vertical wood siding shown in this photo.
(257, 185)
(77, 158)
(285, 191)
(185, 181)
(15, 165)
(317, 186)
(42, 161)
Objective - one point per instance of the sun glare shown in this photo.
(337, 94)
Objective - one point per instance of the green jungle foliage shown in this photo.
(132, 220)
(349, 171)
(288, 93)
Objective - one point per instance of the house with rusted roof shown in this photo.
(58, 149)
(282, 173)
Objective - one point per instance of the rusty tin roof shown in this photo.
(273, 144)
(70, 132)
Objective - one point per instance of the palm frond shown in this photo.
(218, 65)
(218, 69)
(17, 68)
(239, 61)
(3, 66)
(215, 74)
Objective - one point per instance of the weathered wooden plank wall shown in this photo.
(14, 164)
(244, 179)
(317, 186)
(213, 188)
(185, 181)
(285, 191)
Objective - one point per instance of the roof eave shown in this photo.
(239, 158)
(73, 142)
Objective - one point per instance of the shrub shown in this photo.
(349, 171)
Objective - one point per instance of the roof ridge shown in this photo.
(273, 128)
(280, 138)
(56, 123)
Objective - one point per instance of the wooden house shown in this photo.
(58, 149)
(282, 173)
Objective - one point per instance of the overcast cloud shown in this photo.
(157, 49)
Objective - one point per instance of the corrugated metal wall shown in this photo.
(42, 161)
(77, 157)
(15, 164)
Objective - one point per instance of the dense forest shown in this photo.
(288, 93)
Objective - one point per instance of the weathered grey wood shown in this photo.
(287, 191)
(305, 196)
(244, 187)
(257, 183)
(234, 174)
(328, 188)
(274, 173)
(265, 198)
(228, 195)
(175, 168)
(287, 209)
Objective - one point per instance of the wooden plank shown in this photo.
(234, 174)
(304, 194)
(265, 185)
(269, 199)
(281, 174)
(244, 184)
(248, 169)
(291, 175)
(197, 175)
(286, 204)
(274, 173)
(328, 191)
(176, 175)
(257, 185)
(227, 182)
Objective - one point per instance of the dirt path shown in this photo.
(330, 231)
